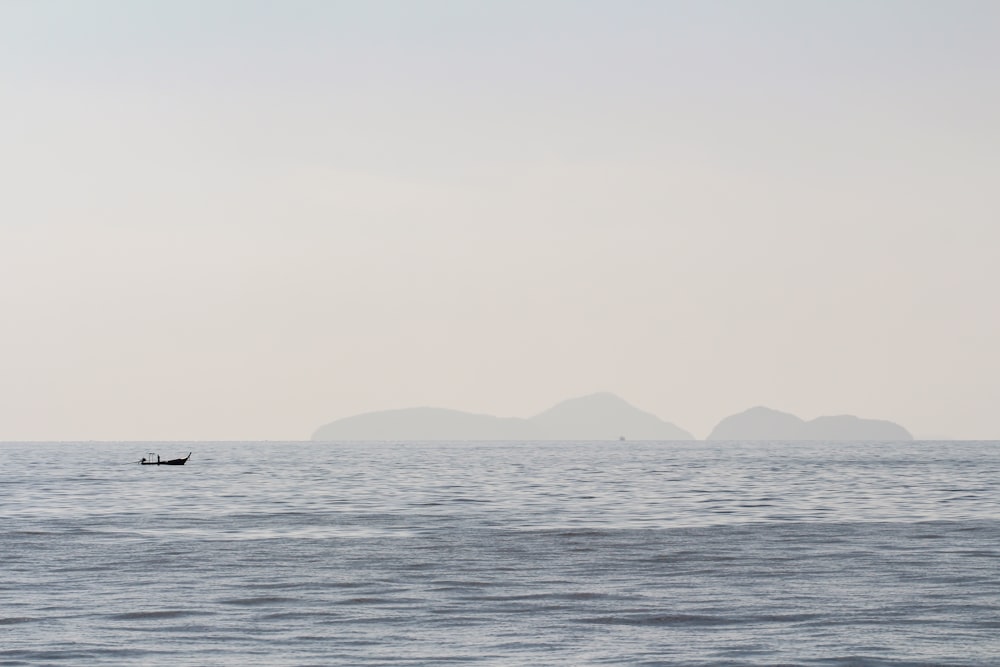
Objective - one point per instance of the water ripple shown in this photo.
(503, 553)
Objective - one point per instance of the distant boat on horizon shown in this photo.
(172, 462)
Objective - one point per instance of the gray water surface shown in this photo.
(622, 553)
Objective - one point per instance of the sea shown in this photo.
(501, 553)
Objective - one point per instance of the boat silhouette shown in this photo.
(172, 462)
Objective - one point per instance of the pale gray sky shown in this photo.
(243, 219)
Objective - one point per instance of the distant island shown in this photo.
(762, 423)
(601, 416)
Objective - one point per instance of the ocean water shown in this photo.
(621, 553)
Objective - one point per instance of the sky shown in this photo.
(238, 219)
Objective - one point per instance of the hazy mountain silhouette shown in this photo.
(603, 416)
(762, 423)
(758, 423)
(849, 427)
(597, 417)
(424, 424)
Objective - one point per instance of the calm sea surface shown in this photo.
(501, 553)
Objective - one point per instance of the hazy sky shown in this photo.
(243, 219)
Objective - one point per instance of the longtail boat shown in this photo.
(157, 462)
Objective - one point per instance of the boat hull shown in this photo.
(171, 462)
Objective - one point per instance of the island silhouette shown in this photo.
(762, 423)
(601, 416)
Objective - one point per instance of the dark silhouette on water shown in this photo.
(172, 462)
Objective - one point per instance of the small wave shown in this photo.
(583, 532)
(282, 533)
(257, 601)
(82, 568)
(155, 615)
(16, 620)
(543, 597)
(35, 657)
(368, 600)
(661, 619)
(315, 616)
(869, 661)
